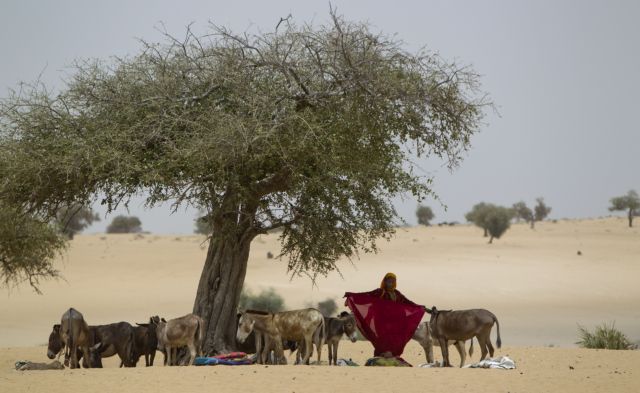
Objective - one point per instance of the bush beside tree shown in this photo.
(328, 307)
(267, 300)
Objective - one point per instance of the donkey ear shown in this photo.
(56, 327)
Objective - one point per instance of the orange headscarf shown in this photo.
(384, 288)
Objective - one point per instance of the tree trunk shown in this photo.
(486, 233)
(533, 222)
(219, 291)
(491, 240)
(631, 213)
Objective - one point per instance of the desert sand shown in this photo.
(533, 280)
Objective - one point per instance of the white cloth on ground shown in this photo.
(502, 362)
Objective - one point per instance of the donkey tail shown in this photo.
(498, 341)
(199, 336)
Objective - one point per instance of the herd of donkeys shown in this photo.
(267, 335)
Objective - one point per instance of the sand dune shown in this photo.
(533, 280)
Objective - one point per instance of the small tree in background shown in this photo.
(74, 219)
(522, 212)
(629, 203)
(125, 224)
(497, 220)
(540, 211)
(267, 300)
(328, 307)
(477, 216)
(424, 214)
(203, 224)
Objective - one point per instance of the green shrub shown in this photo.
(604, 337)
(266, 300)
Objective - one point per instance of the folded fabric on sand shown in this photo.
(430, 365)
(228, 359)
(345, 362)
(502, 362)
(23, 365)
(387, 362)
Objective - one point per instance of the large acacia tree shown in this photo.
(310, 129)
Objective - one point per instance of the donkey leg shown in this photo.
(461, 351)
(307, 350)
(192, 354)
(169, 356)
(444, 347)
(335, 352)
(428, 351)
(482, 341)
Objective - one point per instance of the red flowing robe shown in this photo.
(388, 324)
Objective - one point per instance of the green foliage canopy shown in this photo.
(306, 128)
(28, 248)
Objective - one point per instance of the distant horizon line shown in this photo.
(442, 223)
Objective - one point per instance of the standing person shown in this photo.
(388, 291)
(385, 316)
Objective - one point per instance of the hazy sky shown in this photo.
(564, 74)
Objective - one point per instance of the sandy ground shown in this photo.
(538, 370)
(533, 280)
